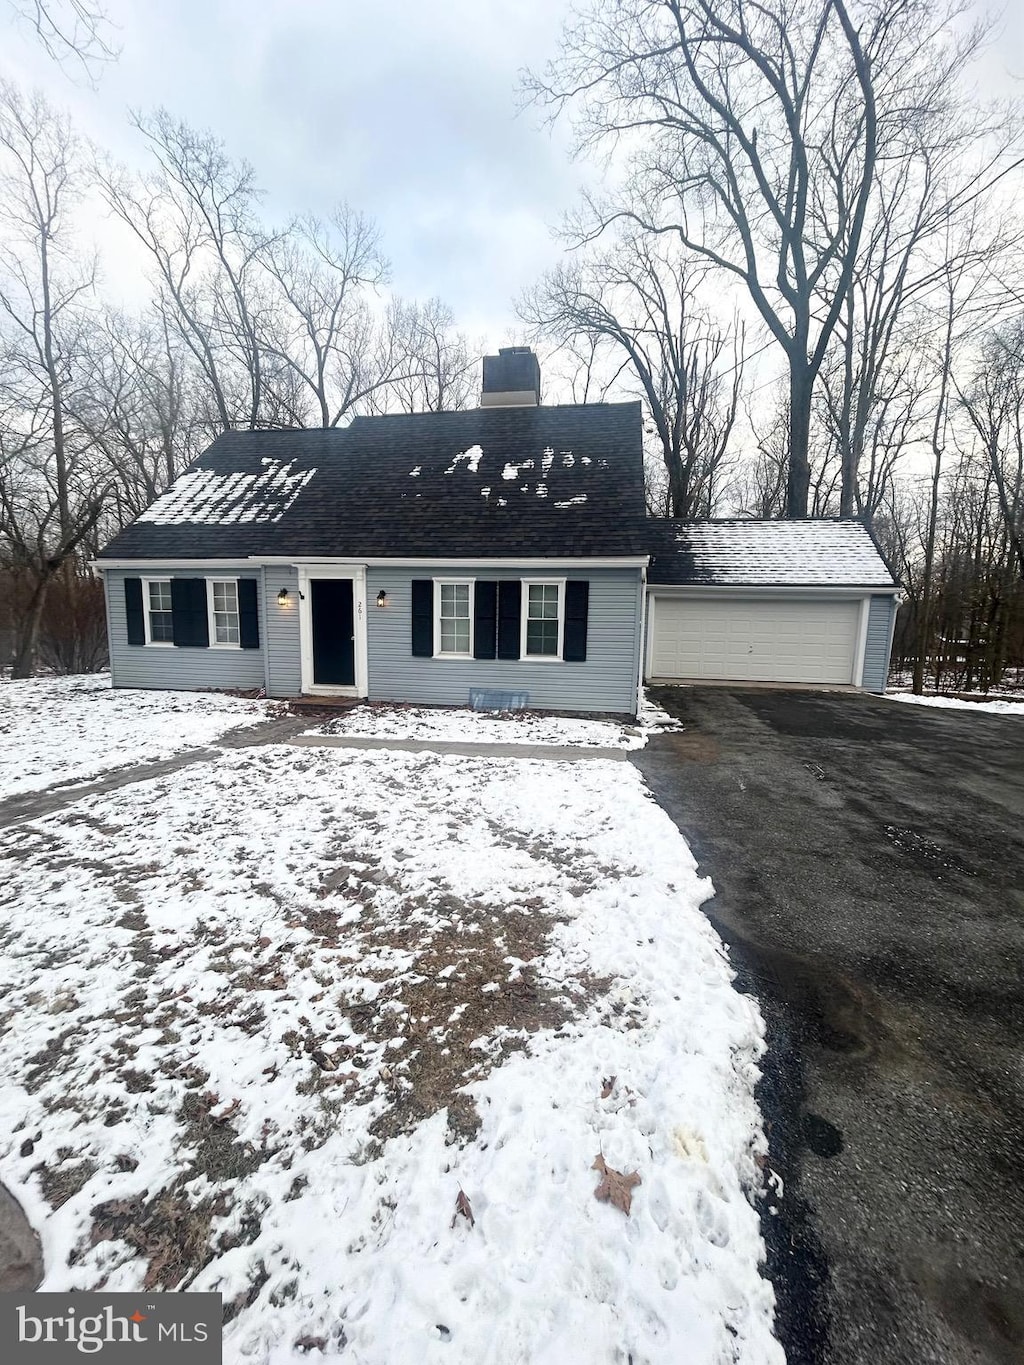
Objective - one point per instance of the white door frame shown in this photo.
(357, 574)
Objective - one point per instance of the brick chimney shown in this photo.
(511, 379)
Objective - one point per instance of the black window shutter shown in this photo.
(189, 620)
(248, 614)
(577, 603)
(510, 593)
(423, 618)
(133, 611)
(485, 620)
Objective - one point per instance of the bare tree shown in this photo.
(70, 31)
(942, 160)
(749, 130)
(318, 322)
(643, 299)
(197, 217)
(285, 325)
(962, 299)
(438, 370)
(143, 409)
(49, 498)
(994, 403)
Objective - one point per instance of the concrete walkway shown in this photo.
(17, 809)
(565, 753)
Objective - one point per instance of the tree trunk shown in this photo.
(799, 477)
(28, 633)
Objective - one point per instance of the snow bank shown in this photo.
(459, 724)
(1003, 708)
(62, 730)
(175, 932)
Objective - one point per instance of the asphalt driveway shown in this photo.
(868, 859)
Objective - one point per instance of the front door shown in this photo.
(334, 640)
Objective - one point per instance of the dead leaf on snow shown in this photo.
(463, 1206)
(607, 1086)
(615, 1187)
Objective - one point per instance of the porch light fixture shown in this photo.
(282, 598)
(382, 598)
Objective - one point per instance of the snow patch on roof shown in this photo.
(573, 502)
(204, 497)
(472, 457)
(547, 459)
(512, 471)
(415, 473)
(541, 490)
(568, 458)
(485, 492)
(809, 553)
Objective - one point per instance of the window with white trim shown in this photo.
(543, 618)
(453, 619)
(223, 604)
(159, 619)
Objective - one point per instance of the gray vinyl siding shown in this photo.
(281, 640)
(876, 648)
(606, 681)
(184, 669)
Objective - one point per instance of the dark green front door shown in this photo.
(334, 643)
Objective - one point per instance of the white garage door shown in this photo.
(755, 639)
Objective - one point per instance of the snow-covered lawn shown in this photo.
(1003, 708)
(63, 730)
(264, 1018)
(385, 721)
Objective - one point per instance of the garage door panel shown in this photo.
(768, 640)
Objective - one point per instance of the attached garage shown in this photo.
(755, 639)
(785, 602)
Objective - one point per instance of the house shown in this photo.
(500, 555)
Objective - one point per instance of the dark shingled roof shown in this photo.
(815, 553)
(497, 482)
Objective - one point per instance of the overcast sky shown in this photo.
(407, 109)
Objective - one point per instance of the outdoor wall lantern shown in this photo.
(382, 598)
(282, 598)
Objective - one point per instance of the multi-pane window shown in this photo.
(542, 619)
(225, 612)
(454, 619)
(161, 622)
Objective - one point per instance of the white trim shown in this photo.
(862, 642)
(141, 566)
(847, 590)
(154, 644)
(525, 584)
(642, 651)
(261, 608)
(455, 583)
(652, 606)
(211, 620)
(892, 635)
(357, 573)
(482, 562)
(391, 562)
